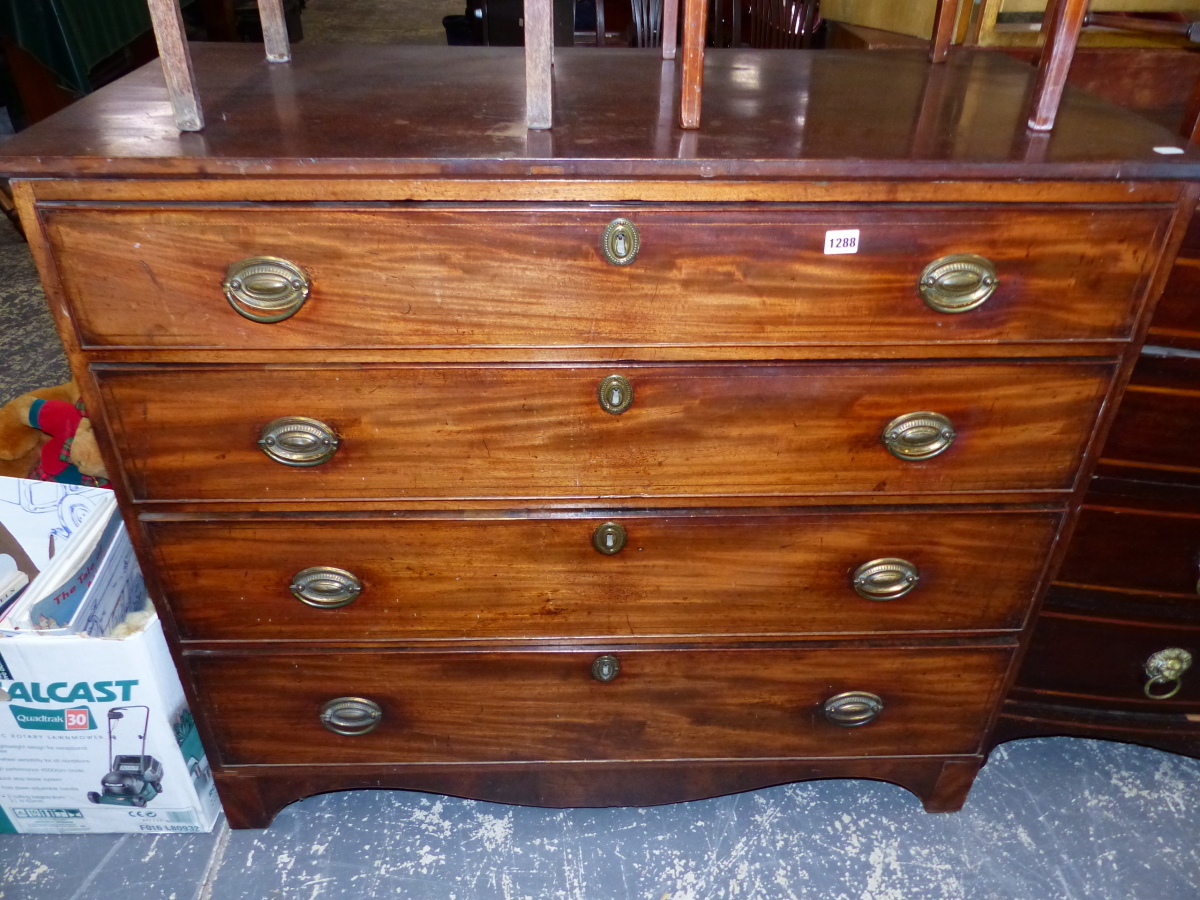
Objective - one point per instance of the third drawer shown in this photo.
(789, 574)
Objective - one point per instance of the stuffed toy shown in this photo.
(45, 435)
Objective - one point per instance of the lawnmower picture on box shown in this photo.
(131, 780)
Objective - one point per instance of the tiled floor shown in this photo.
(1048, 819)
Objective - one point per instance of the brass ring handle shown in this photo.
(325, 587)
(887, 578)
(266, 288)
(1166, 667)
(351, 715)
(958, 283)
(621, 242)
(298, 441)
(605, 668)
(853, 708)
(615, 393)
(918, 435)
(609, 538)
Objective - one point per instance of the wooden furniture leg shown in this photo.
(695, 19)
(177, 64)
(943, 30)
(1057, 53)
(1191, 118)
(539, 58)
(275, 33)
(670, 28)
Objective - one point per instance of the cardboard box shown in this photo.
(95, 734)
(73, 711)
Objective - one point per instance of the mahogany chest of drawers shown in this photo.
(613, 465)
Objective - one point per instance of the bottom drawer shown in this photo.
(1104, 661)
(468, 706)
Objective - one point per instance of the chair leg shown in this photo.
(670, 28)
(1055, 63)
(944, 21)
(695, 16)
(275, 33)
(539, 59)
(177, 64)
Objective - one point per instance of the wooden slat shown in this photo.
(943, 29)
(1057, 53)
(1190, 127)
(539, 60)
(695, 18)
(177, 64)
(670, 28)
(275, 33)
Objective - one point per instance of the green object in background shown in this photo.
(6, 825)
(69, 37)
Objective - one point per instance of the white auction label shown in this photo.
(841, 241)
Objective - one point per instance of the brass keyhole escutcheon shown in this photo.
(888, 578)
(298, 441)
(325, 587)
(621, 242)
(605, 668)
(609, 538)
(616, 394)
(918, 435)
(853, 708)
(958, 283)
(266, 288)
(351, 716)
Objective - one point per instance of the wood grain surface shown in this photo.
(1142, 551)
(472, 276)
(391, 111)
(522, 706)
(542, 578)
(1156, 434)
(1099, 663)
(527, 433)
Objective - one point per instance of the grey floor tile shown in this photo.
(1048, 819)
(105, 866)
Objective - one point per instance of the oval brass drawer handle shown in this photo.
(887, 578)
(609, 538)
(621, 242)
(1166, 667)
(853, 708)
(918, 435)
(266, 288)
(958, 283)
(298, 441)
(615, 393)
(351, 715)
(325, 587)
(605, 668)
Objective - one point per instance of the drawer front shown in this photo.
(438, 277)
(1156, 434)
(1104, 660)
(519, 433)
(679, 575)
(1132, 550)
(670, 704)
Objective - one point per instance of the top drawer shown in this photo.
(409, 276)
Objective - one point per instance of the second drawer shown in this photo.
(541, 432)
(544, 578)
